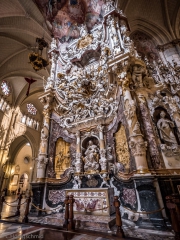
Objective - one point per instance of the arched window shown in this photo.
(5, 88)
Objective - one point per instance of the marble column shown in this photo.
(101, 137)
(42, 157)
(136, 143)
(78, 163)
(152, 144)
(103, 159)
(78, 142)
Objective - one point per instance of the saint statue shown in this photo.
(165, 127)
(91, 157)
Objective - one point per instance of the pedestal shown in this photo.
(149, 203)
(38, 194)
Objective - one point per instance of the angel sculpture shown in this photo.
(104, 178)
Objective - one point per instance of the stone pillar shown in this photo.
(42, 157)
(103, 159)
(78, 142)
(53, 54)
(78, 163)
(136, 143)
(153, 149)
(101, 137)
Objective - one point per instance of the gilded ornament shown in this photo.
(85, 41)
(62, 157)
(122, 150)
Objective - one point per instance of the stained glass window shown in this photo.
(31, 109)
(5, 88)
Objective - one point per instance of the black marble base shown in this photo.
(37, 198)
(149, 202)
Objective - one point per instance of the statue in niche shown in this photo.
(91, 158)
(122, 151)
(62, 157)
(165, 127)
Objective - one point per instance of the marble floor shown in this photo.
(10, 209)
(22, 231)
(56, 219)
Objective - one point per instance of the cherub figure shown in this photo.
(104, 178)
(77, 182)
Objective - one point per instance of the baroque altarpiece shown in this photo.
(111, 120)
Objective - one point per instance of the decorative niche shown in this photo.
(62, 157)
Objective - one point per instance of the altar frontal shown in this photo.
(94, 201)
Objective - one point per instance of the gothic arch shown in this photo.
(177, 24)
(159, 34)
(20, 141)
